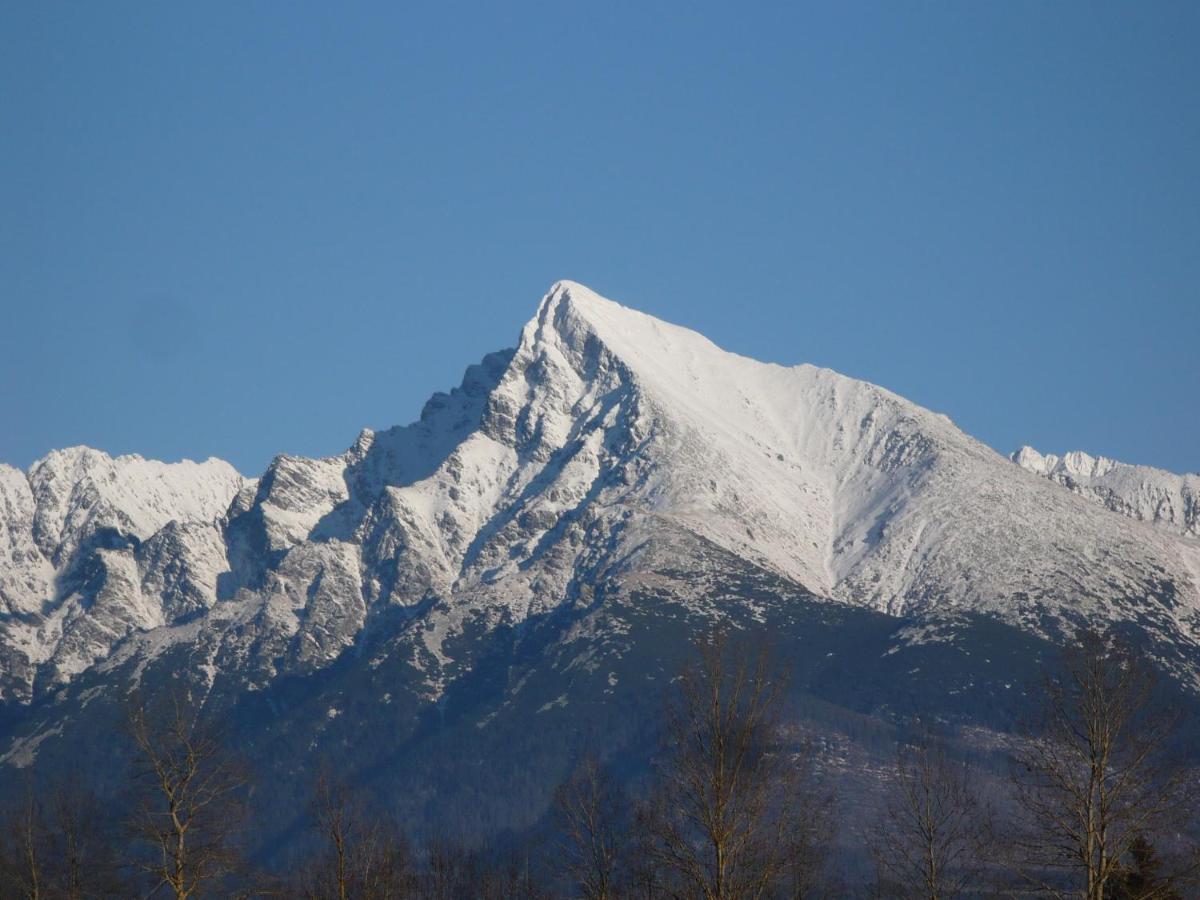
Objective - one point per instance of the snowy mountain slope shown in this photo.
(1139, 492)
(608, 448)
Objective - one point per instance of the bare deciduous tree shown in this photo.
(82, 860)
(732, 814)
(511, 877)
(589, 812)
(57, 846)
(1094, 775)
(364, 854)
(23, 849)
(931, 840)
(450, 869)
(190, 809)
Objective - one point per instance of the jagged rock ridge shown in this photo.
(1139, 492)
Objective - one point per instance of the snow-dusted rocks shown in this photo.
(1139, 492)
(79, 492)
(94, 548)
(25, 574)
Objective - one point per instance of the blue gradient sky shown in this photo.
(244, 229)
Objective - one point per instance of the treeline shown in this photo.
(737, 804)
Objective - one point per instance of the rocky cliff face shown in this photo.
(564, 508)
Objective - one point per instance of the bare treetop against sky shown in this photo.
(239, 230)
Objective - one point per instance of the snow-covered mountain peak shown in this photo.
(80, 489)
(607, 444)
(571, 315)
(362, 444)
(801, 412)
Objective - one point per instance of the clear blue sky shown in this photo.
(242, 229)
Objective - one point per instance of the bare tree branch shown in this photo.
(1094, 775)
(189, 809)
(732, 812)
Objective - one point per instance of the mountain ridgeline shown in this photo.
(481, 596)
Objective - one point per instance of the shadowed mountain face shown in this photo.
(470, 599)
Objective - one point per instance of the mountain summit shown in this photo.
(612, 479)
